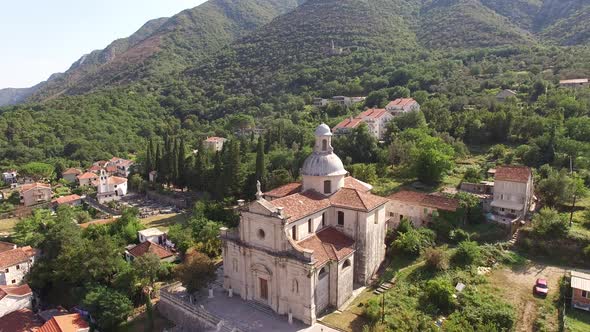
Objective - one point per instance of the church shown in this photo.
(302, 248)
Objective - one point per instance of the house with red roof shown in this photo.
(15, 264)
(418, 207)
(119, 166)
(214, 143)
(513, 194)
(35, 193)
(401, 106)
(65, 323)
(375, 118)
(13, 298)
(301, 248)
(86, 179)
(23, 320)
(109, 188)
(72, 200)
(71, 174)
(135, 251)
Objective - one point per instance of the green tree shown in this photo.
(147, 268)
(38, 171)
(467, 253)
(550, 223)
(196, 272)
(440, 292)
(108, 307)
(260, 174)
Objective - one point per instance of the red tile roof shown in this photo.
(373, 113)
(67, 199)
(401, 102)
(72, 171)
(299, 205)
(94, 168)
(35, 185)
(355, 199)
(282, 191)
(350, 182)
(16, 256)
(98, 222)
(215, 139)
(111, 168)
(65, 323)
(5, 246)
(150, 247)
(87, 175)
(427, 200)
(348, 123)
(21, 290)
(513, 173)
(328, 244)
(23, 320)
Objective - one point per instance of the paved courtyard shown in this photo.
(239, 313)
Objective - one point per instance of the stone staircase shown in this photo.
(512, 240)
(262, 308)
(383, 287)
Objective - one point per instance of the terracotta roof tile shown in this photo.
(299, 205)
(72, 171)
(513, 173)
(356, 199)
(5, 246)
(328, 244)
(150, 247)
(401, 102)
(35, 185)
(94, 168)
(67, 199)
(282, 191)
(373, 113)
(350, 182)
(348, 123)
(426, 200)
(21, 290)
(23, 320)
(87, 175)
(111, 168)
(215, 139)
(16, 256)
(65, 323)
(408, 196)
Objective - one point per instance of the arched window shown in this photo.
(309, 225)
(323, 219)
(327, 187)
(235, 264)
(340, 218)
(324, 145)
(295, 286)
(346, 264)
(294, 233)
(322, 273)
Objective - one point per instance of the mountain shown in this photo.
(166, 45)
(12, 96)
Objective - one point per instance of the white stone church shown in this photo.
(301, 249)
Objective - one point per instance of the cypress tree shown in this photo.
(216, 180)
(174, 161)
(158, 158)
(260, 166)
(149, 158)
(181, 164)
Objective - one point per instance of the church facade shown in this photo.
(300, 249)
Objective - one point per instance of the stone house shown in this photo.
(513, 194)
(505, 94)
(35, 193)
(119, 166)
(13, 298)
(304, 249)
(574, 83)
(86, 179)
(580, 282)
(319, 102)
(71, 174)
(72, 200)
(402, 105)
(214, 143)
(418, 207)
(15, 263)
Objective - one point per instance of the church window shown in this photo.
(294, 233)
(376, 218)
(323, 219)
(327, 187)
(322, 273)
(324, 145)
(340, 218)
(235, 264)
(295, 286)
(309, 225)
(261, 234)
(346, 264)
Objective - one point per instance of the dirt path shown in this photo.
(516, 286)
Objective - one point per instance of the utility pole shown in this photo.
(383, 308)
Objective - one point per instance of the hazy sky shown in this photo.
(41, 37)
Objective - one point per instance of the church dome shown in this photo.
(323, 165)
(323, 130)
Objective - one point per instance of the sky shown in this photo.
(42, 37)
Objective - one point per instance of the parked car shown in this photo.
(541, 287)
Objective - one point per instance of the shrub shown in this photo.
(459, 235)
(440, 292)
(404, 226)
(413, 242)
(436, 259)
(486, 310)
(468, 253)
(472, 174)
(549, 222)
(373, 309)
(587, 251)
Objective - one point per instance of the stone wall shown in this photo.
(181, 317)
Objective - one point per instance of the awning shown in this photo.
(581, 281)
(508, 205)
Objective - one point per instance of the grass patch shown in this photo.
(486, 232)
(7, 225)
(577, 320)
(164, 221)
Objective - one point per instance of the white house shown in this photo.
(375, 118)
(71, 174)
(303, 253)
(9, 177)
(574, 83)
(153, 235)
(402, 105)
(15, 264)
(120, 166)
(347, 101)
(319, 102)
(513, 193)
(86, 179)
(13, 298)
(110, 188)
(214, 143)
